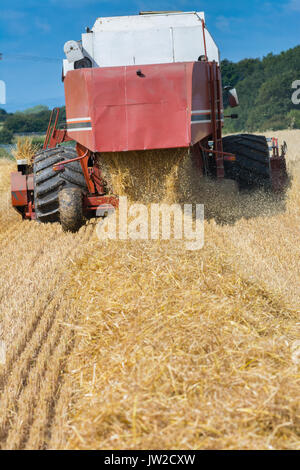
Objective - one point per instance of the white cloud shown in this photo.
(223, 24)
(294, 5)
(42, 25)
(17, 22)
(14, 21)
(12, 15)
(77, 3)
(227, 24)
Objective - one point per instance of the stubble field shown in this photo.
(144, 345)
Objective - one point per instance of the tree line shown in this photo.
(265, 91)
(33, 120)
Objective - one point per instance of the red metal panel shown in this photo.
(154, 126)
(30, 183)
(157, 84)
(157, 106)
(79, 103)
(108, 92)
(76, 90)
(200, 102)
(94, 202)
(18, 189)
(138, 107)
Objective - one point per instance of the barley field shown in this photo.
(145, 345)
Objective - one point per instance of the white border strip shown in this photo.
(205, 111)
(79, 119)
(201, 122)
(79, 129)
(202, 111)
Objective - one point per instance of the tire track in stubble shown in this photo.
(27, 375)
(26, 335)
(40, 425)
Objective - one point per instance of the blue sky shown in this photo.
(37, 30)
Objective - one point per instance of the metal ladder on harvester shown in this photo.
(216, 116)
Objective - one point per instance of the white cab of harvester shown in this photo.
(151, 38)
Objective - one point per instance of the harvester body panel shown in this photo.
(19, 189)
(156, 106)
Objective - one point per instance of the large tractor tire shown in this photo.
(252, 168)
(71, 209)
(48, 183)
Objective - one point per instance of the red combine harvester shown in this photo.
(136, 83)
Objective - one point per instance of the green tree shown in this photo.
(265, 88)
(3, 115)
(20, 122)
(36, 109)
(293, 119)
(6, 136)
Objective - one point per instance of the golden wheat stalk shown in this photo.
(25, 149)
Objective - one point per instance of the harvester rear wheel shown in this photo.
(71, 209)
(48, 183)
(252, 168)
